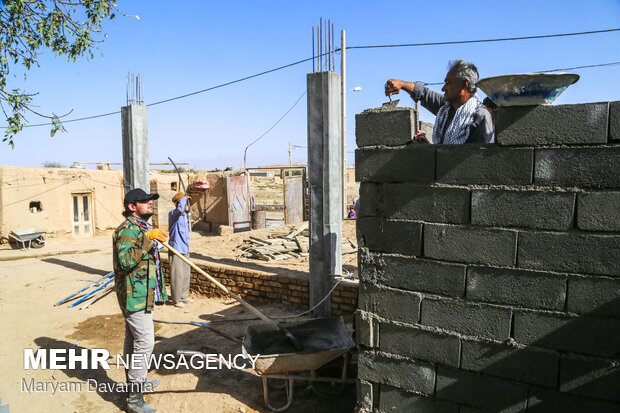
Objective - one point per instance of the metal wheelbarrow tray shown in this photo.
(323, 340)
(33, 237)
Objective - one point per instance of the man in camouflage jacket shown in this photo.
(139, 285)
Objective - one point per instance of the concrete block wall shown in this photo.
(490, 275)
(263, 287)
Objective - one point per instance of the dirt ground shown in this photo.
(31, 282)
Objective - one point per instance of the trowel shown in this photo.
(391, 104)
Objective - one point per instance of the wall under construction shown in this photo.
(490, 274)
(264, 287)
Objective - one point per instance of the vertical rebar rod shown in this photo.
(333, 51)
(329, 46)
(321, 45)
(312, 49)
(326, 40)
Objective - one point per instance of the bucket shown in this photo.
(258, 219)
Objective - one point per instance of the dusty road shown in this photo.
(31, 286)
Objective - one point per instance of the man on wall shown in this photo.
(460, 115)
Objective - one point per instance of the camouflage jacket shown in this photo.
(134, 267)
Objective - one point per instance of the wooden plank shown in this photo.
(299, 230)
(260, 241)
(303, 247)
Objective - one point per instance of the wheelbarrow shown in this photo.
(32, 237)
(324, 340)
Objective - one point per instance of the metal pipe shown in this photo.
(84, 289)
(91, 293)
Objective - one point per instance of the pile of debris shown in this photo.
(284, 245)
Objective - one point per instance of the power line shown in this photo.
(99, 202)
(40, 193)
(503, 39)
(580, 67)
(351, 48)
(29, 185)
(274, 125)
(550, 70)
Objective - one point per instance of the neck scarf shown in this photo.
(159, 284)
(458, 130)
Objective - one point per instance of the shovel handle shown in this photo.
(222, 287)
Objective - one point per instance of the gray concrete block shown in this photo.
(394, 400)
(366, 329)
(369, 199)
(571, 252)
(367, 393)
(578, 334)
(397, 237)
(406, 374)
(477, 390)
(544, 400)
(594, 296)
(530, 209)
(516, 287)
(368, 263)
(427, 128)
(422, 275)
(589, 377)
(598, 211)
(466, 318)
(484, 165)
(389, 127)
(470, 244)
(584, 123)
(406, 201)
(414, 163)
(578, 167)
(614, 121)
(390, 303)
(530, 365)
(417, 343)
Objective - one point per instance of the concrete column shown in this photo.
(325, 184)
(135, 147)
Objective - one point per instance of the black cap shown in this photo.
(138, 194)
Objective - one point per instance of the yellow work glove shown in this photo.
(157, 234)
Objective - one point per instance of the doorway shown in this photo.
(82, 215)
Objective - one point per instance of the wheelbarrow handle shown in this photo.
(222, 287)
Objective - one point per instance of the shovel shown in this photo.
(247, 305)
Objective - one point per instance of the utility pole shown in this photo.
(290, 159)
(343, 126)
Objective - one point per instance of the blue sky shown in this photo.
(182, 47)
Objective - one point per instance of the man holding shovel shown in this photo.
(179, 240)
(139, 285)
